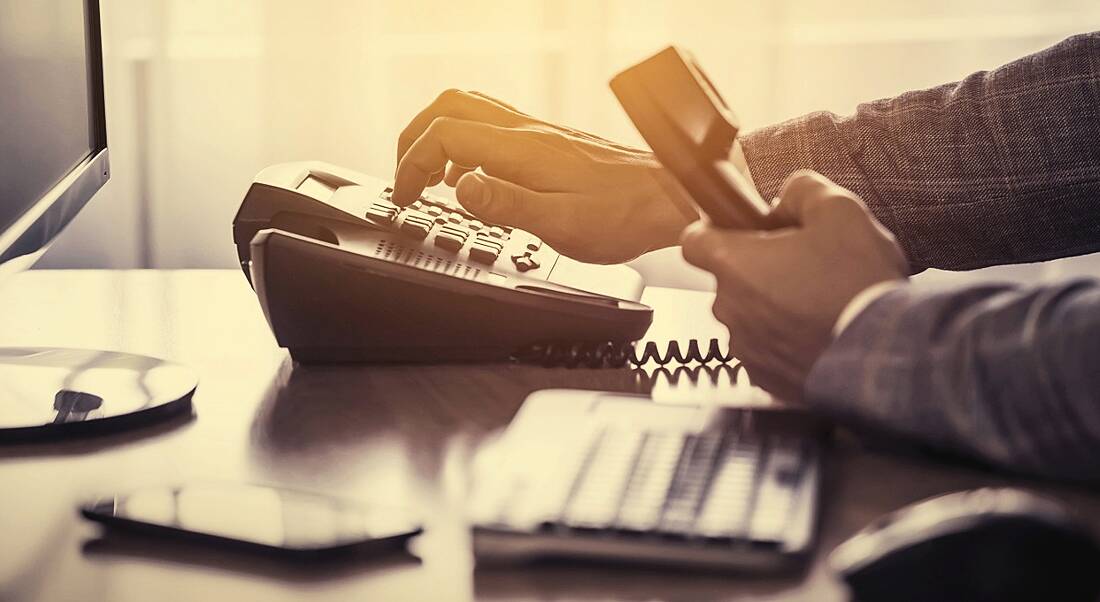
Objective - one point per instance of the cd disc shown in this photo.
(49, 393)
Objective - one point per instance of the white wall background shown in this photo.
(201, 94)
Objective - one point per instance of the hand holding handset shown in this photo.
(692, 131)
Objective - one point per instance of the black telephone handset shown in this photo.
(345, 275)
(690, 128)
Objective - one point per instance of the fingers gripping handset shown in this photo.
(781, 293)
(692, 132)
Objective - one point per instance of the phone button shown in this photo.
(525, 263)
(450, 239)
(481, 239)
(383, 214)
(415, 228)
(483, 253)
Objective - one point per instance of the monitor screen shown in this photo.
(46, 126)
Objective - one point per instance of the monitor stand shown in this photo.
(55, 393)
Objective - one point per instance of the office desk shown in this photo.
(399, 435)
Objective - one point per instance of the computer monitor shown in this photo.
(53, 129)
(53, 159)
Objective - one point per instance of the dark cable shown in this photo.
(616, 355)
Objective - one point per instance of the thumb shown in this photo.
(808, 197)
(498, 201)
(707, 247)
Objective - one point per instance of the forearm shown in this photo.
(1001, 167)
(1007, 374)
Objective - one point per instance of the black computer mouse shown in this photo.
(1001, 545)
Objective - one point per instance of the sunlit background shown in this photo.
(201, 94)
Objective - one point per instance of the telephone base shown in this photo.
(344, 275)
(415, 355)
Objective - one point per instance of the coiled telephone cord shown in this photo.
(617, 355)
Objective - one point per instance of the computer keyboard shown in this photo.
(740, 491)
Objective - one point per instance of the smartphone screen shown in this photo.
(255, 516)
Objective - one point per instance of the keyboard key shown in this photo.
(775, 498)
(595, 503)
(725, 511)
(690, 482)
(648, 487)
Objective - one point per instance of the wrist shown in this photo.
(861, 301)
(675, 195)
(671, 209)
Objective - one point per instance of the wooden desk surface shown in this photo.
(389, 434)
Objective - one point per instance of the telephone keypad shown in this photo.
(450, 228)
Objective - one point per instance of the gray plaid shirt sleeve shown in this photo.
(1001, 167)
(1006, 373)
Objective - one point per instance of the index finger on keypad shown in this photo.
(470, 143)
(460, 105)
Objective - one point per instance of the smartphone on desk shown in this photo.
(274, 521)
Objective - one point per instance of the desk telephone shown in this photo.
(344, 274)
